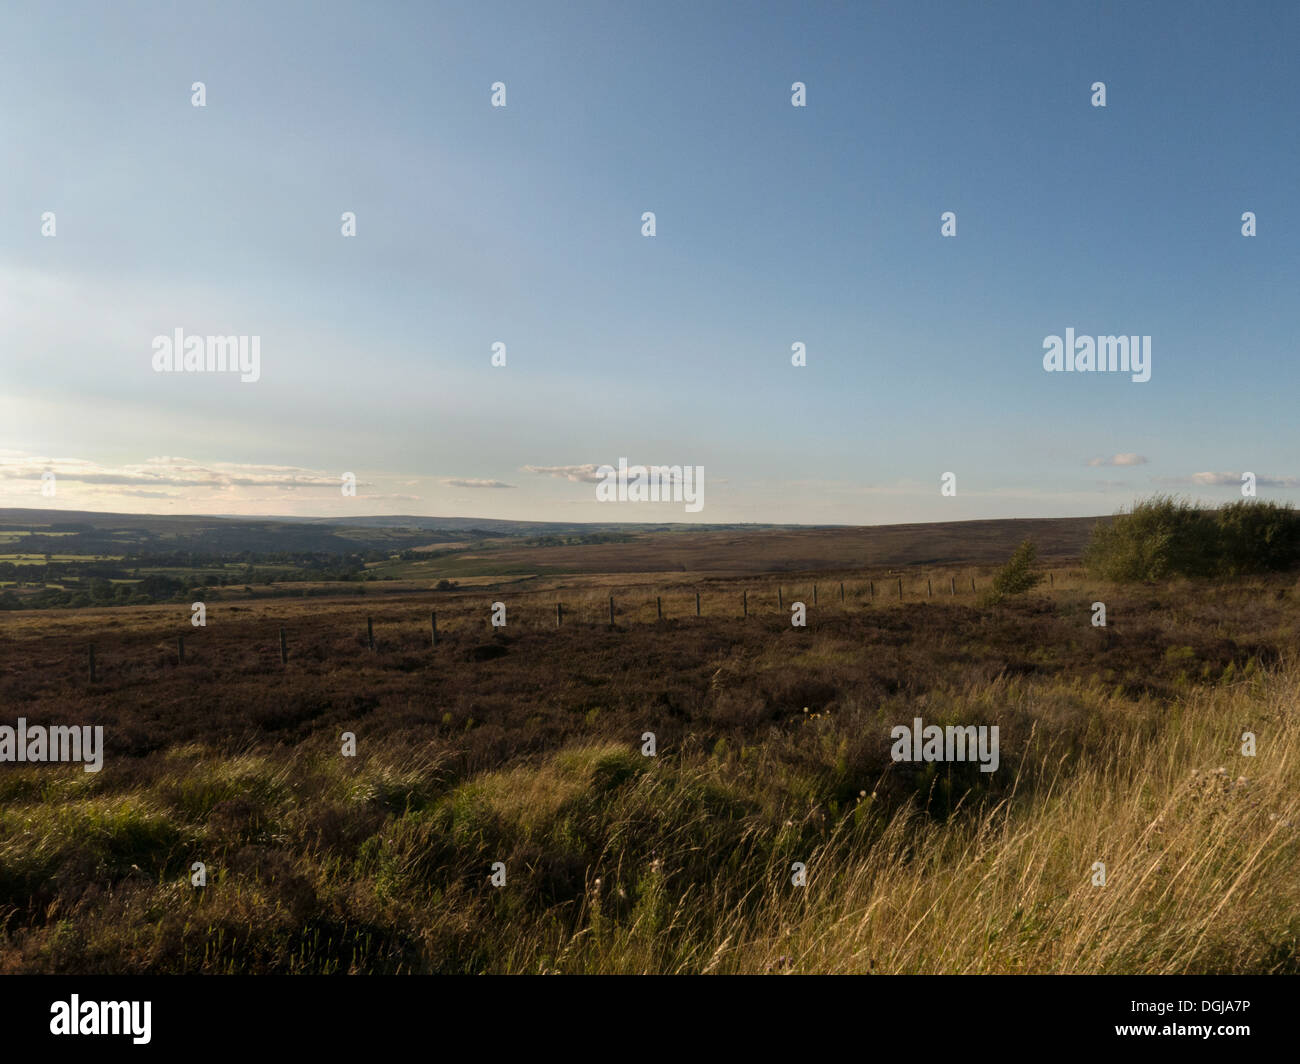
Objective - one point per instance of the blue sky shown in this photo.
(522, 224)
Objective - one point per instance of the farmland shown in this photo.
(99, 560)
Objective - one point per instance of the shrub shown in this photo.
(1256, 537)
(1158, 538)
(1163, 537)
(1017, 576)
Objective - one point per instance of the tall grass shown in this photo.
(1200, 847)
(682, 863)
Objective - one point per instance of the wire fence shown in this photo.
(625, 607)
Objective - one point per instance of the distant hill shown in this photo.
(666, 547)
(789, 549)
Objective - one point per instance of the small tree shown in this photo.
(1017, 576)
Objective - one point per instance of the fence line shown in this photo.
(865, 596)
(639, 604)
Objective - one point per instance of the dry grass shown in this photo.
(1111, 742)
(1200, 845)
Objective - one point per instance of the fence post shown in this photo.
(972, 585)
(814, 594)
(433, 623)
(929, 588)
(370, 632)
(1051, 579)
(873, 589)
(92, 662)
(952, 585)
(559, 614)
(744, 602)
(611, 611)
(697, 604)
(780, 598)
(659, 607)
(284, 649)
(841, 590)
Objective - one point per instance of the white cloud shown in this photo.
(1234, 479)
(166, 472)
(576, 473)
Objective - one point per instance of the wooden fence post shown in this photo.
(659, 607)
(972, 585)
(929, 587)
(780, 598)
(814, 594)
(284, 649)
(952, 585)
(873, 589)
(611, 611)
(433, 623)
(697, 604)
(744, 602)
(370, 633)
(559, 614)
(841, 590)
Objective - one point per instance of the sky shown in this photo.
(523, 225)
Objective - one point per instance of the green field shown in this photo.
(41, 559)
